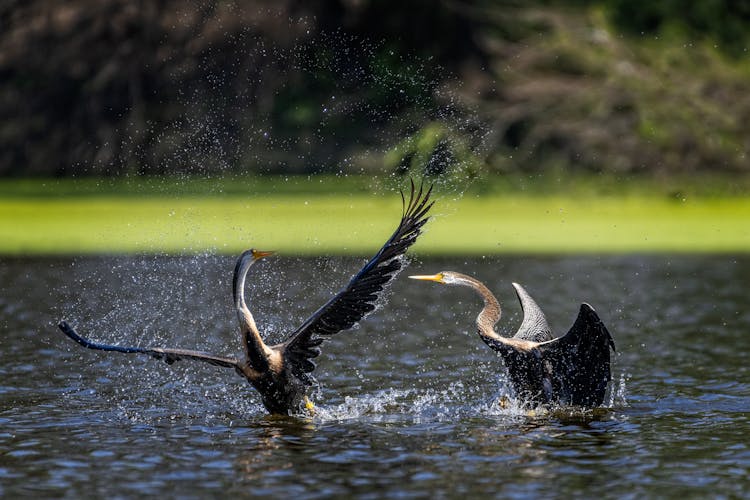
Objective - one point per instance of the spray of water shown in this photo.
(618, 396)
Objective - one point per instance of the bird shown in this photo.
(570, 370)
(282, 373)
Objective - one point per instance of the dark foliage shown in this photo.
(121, 87)
(725, 21)
(115, 87)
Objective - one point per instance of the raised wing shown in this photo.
(534, 326)
(358, 298)
(577, 366)
(168, 355)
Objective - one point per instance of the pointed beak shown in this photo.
(437, 278)
(259, 254)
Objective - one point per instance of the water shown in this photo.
(407, 403)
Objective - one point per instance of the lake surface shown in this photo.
(407, 402)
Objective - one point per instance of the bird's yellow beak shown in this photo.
(438, 278)
(259, 254)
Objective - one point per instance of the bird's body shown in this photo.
(282, 373)
(573, 369)
(280, 390)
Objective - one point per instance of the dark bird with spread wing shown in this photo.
(573, 369)
(282, 372)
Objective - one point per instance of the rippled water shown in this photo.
(407, 403)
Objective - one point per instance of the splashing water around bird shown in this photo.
(281, 373)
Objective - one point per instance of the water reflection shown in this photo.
(258, 458)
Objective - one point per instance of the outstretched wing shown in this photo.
(358, 298)
(168, 355)
(577, 365)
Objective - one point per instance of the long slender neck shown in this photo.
(489, 316)
(490, 313)
(255, 348)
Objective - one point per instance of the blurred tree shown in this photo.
(114, 87)
(117, 86)
(725, 21)
(108, 86)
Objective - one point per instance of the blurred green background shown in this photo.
(581, 104)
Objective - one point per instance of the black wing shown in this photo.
(577, 365)
(358, 298)
(168, 355)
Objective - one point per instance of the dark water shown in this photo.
(407, 402)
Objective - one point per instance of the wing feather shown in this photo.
(165, 354)
(358, 298)
(577, 365)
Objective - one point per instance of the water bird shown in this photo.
(573, 369)
(282, 373)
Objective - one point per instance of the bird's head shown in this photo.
(251, 256)
(257, 254)
(443, 277)
(247, 259)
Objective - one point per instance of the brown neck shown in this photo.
(489, 316)
(490, 313)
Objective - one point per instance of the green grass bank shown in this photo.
(354, 215)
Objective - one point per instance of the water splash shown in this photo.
(618, 393)
(419, 405)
